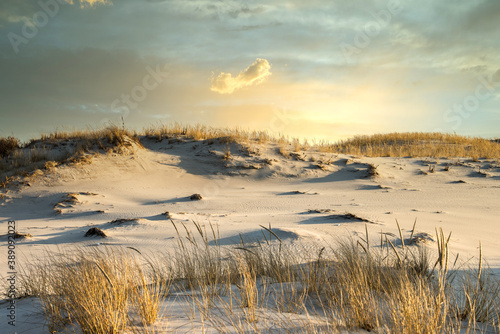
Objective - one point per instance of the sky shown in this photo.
(322, 69)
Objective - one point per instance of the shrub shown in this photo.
(7, 145)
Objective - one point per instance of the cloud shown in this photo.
(91, 3)
(256, 73)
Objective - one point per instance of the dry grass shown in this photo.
(94, 290)
(479, 295)
(112, 135)
(371, 171)
(227, 154)
(7, 145)
(386, 286)
(18, 161)
(360, 286)
(198, 264)
(298, 146)
(207, 133)
(146, 296)
(249, 292)
(392, 286)
(18, 235)
(416, 144)
(418, 307)
(283, 151)
(22, 161)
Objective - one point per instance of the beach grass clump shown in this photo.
(374, 287)
(478, 299)
(206, 133)
(198, 264)
(19, 161)
(95, 290)
(8, 145)
(147, 295)
(415, 144)
(89, 290)
(395, 286)
(397, 144)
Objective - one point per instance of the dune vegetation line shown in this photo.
(77, 147)
(397, 285)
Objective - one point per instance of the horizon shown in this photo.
(274, 136)
(320, 70)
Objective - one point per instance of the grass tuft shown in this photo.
(396, 286)
(8, 145)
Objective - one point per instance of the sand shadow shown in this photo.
(296, 192)
(345, 174)
(336, 219)
(170, 201)
(66, 236)
(257, 236)
(374, 187)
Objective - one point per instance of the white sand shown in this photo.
(244, 192)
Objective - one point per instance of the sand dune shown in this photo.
(306, 196)
(259, 188)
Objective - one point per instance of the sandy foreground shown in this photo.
(304, 198)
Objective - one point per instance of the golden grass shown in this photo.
(283, 151)
(413, 144)
(95, 290)
(393, 286)
(416, 144)
(18, 160)
(146, 297)
(7, 145)
(227, 153)
(249, 292)
(202, 132)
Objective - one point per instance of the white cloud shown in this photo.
(254, 74)
(93, 3)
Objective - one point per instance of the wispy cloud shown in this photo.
(254, 74)
(92, 3)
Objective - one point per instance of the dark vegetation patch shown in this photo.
(18, 235)
(371, 171)
(350, 216)
(195, 197)
(320, 211)
(122, 221)
(8, 145)
(95, 232)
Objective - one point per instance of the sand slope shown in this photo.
(257, 188)
(306, 197)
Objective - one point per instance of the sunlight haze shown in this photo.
(317, 69)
